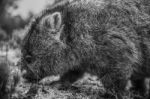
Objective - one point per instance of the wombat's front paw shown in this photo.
(60, 86)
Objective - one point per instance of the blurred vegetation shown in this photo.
(11, 32)
(7, 22)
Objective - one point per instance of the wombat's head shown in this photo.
(43, 48)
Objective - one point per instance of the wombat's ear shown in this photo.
(56, 20)
(53, 21)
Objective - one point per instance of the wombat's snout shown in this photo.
(27, 69)
(28, 59)
(26, 74)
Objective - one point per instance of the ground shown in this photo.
(89, 87)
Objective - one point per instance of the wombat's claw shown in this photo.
(55, 84)
(60, 86)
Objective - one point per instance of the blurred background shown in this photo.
(14, 18)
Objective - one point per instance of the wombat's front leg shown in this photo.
(139, 87)
(68, 78)
(115, 84)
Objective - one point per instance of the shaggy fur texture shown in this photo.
(107, 38)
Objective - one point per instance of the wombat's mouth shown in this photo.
(30, 76)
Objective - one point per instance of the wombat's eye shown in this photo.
(28, 59)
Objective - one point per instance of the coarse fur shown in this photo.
(107, 38)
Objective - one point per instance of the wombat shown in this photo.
(107, 38)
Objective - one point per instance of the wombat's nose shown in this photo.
(28, 59)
